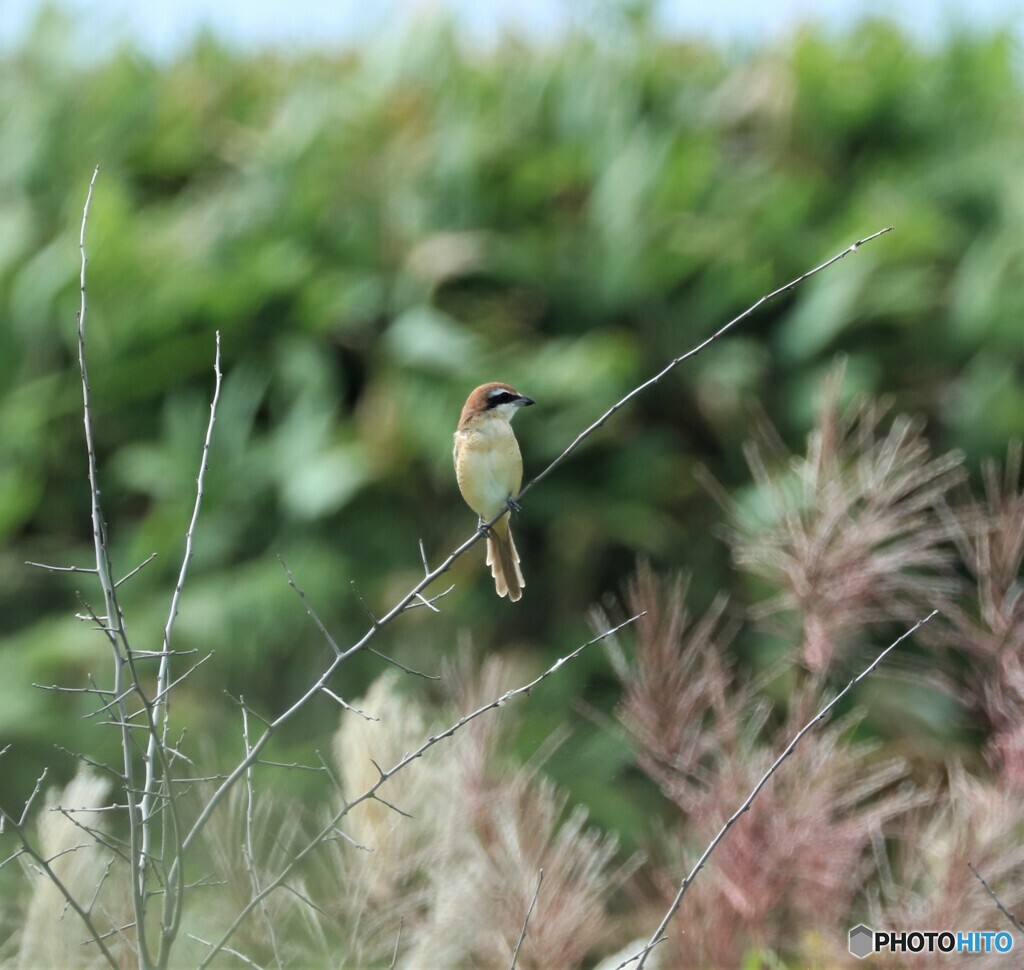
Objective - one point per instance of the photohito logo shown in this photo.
(864, 941)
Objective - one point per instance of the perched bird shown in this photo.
(489, 468)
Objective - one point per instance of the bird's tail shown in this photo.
(504, 561)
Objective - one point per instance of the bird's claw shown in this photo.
(513, 505)
(483, 528)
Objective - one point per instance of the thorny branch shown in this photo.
(162, 700)
(1017, 925)
(113, 619)
(155, 799)
(27, 848)
(658, 935)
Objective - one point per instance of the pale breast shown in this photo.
(488, 466)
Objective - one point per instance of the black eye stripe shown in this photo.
(499, 397)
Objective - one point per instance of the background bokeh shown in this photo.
(377, 229)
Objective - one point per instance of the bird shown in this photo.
(489, 470)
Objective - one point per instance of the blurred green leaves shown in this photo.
(375, 232)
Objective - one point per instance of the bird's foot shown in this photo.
(483, 528)
(513, 505)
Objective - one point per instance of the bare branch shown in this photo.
(292, 765)
(111, 624)
(72, 690)
(100, 837)
(672, 364)
(61, 569)
(31, 798)
(423, 558)
(227, 949)
(526, 921)
(362, 603)
(408, 670)
(99, 884)
(310, 612)
(159, 716)
(85, 759)
(145, 562)
(658, 935)
(1017, 925)
(248, 847)
(348, 707)
(398, 943)
(17, 853)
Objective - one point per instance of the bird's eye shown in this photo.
(500, 397)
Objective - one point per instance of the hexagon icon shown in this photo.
(862, 941)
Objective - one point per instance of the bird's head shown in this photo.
(494, 399)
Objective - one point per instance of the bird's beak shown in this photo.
(524, 401)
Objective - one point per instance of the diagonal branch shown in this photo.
(672, 364)
(414, 596)
(526, 921)
(27, 848)
(1017, 925)
(658, 935)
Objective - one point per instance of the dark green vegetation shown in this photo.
(376, 232)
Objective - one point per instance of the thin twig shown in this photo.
(423, 558)
(161, 703)
(412, 671)
(85, 759)
(227, 949)
(658, 934)
(31, 798)
(145, 562)
(72, 690)
(348, 707)
(61, 569)
(1017, 925)
(398, 941)
(672, 364)
(526, 922)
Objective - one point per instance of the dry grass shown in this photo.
(849, 533)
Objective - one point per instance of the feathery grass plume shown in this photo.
(847, 534)
(680, 703)
(50, 937)
(283, 919)
(502, 825)
(930, 885)
(990, 537)
(374, 875)
(790, 867)
(485, 881)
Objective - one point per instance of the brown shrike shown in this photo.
(489, 468)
